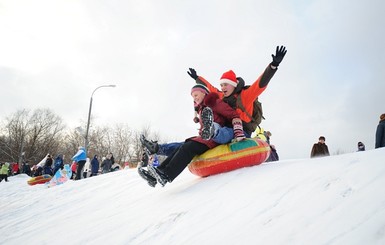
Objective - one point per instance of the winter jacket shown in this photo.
(80, 155)
(380, 135)
(49, 161)
(223, 115)
(95, 165)
(4, 169)
(106, 165)
(319, 150)
(59, 164)
(74, 166)
(87, 166)
(47, 170)
(247, 95)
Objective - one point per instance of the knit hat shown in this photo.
(200, 87)
(229, 77)
(382, 117)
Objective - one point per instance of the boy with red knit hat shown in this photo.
(231, 89)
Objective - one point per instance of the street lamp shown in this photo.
(89, 113)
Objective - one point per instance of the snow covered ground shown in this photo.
(332, 200)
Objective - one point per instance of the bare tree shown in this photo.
(31, 135)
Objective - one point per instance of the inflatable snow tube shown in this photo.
(224, 158)
(39, 179)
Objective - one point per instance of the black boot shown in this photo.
(159, 175)
(151, 146)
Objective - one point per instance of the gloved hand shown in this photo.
(278, 57)
(238, 130)
(192, 73)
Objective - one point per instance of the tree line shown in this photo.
(28, 136)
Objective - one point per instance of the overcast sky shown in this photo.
(53, 54)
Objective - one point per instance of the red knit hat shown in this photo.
(229, 77)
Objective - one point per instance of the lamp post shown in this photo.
(89, 113)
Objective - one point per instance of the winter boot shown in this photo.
(151, 181)
(159, 175)
(207, 117)
(151, 146)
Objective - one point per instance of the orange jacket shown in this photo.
(247, 95)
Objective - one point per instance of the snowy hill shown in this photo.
(332, 200)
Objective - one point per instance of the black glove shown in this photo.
(279, 54)
(192, 73)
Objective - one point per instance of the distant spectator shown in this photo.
(59, 163)
(15, 168)
(87, 168)
(80, 159)
(73, 169)
(273, 154)
(106, 164)
(49, 161)
(4, 172)
(94, 166)
(361, 146)
(320, 149)
(380, 133)
(38, 168)
(112, 158)
(47, 168)
(26, 169)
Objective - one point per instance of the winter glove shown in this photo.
(192, 73)
(238, 130)
(278, 57)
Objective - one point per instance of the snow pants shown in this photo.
(178, 161)
(79, 169)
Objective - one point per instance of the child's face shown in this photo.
(198, 97)
(227, 89)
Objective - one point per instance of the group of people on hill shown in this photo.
(320, 148)
(82, 164)
(81, 167)
(224, 115)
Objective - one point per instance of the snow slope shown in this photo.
(332, 200)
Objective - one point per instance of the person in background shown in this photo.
(80, 158)
(15, 168)
(106, 164)
(87, 168)
(59, 163)
(73, 169)
(380, 133)
(273, 154)
(94, 166)
(320, 149)
(361, 146)
(4, 172)
(47, 169)
(26, 169)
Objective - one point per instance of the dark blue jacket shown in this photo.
(380, 135)
(59, 164)
(95, 165)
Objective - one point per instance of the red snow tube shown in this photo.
(224, 158)
(39, 179)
